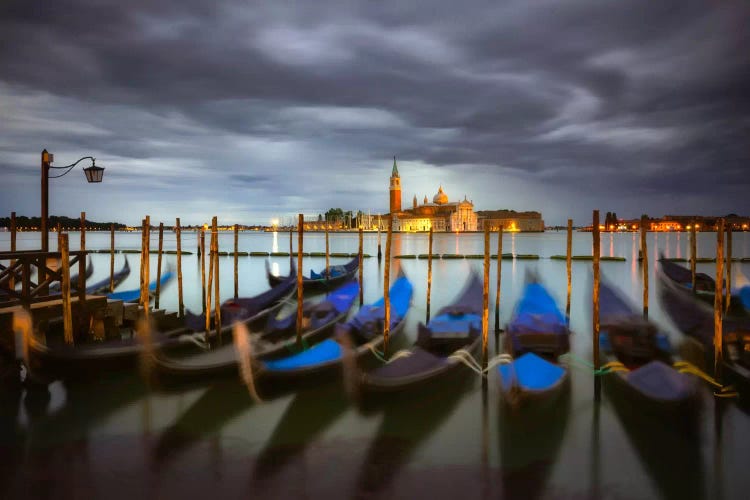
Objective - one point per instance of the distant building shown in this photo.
(511, 220)
(440, 214)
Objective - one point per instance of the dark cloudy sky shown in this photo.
(251, 111)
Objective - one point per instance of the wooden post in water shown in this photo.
(112, 258)
(59, 232)
(568, 266)
(380, 254)
(65, 289)
(361, 272)
(236, 261)
(82, 264)
(327, 254)
(429, 273)
(718, 304)
(202, 257)
(386, 288)
(728, 288)
(300, 294)
(644, 265)
(693, 251)
(158, 265)
(486, 294)
(207, 290)
(499, 277)
(178, 231)
(12, 282)
(145, 265)
(217, 295)
(595, 299)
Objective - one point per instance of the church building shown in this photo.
(440, 213)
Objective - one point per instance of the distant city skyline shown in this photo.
(255, 112)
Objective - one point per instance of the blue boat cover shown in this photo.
(530, 372)
(333, 271)
(400, 298)
(135, 294)
(658, 380)
(328, 350)
(537, 311)
(745, 296)
(453, 325)
(343, 296)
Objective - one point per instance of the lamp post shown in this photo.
(93, 174)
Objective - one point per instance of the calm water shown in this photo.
(114, 438)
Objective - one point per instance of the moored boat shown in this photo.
(276, 338)
(335, 276)
(456, 327)
(536, 336)
(642, 359)
(358, 339)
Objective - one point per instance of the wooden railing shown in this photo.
(19, 270)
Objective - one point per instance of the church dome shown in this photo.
(440, 198)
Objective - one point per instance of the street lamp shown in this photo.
(93, 174)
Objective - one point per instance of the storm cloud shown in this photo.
(250, 111)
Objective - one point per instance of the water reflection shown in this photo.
(670, 450)
(308, 415)
(407, 422)
(529, 442)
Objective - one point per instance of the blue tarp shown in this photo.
(328, 350)
(530, 372)
(536, 310)
(135, 294)
(453, 324)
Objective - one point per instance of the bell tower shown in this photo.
(395, 189)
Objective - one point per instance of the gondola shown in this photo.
(134, 295)
(50, 355)
(648, 380)
(276, 338)
(362, 336)
(102, 287)
(705, 286)
(536, 336)
(319, 281)
(695, 319)
(456, 327)
(55, 286)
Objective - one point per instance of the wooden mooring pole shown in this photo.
(82, 262)
(209, 283)
(327, 254)
(145, 266)
(65, 289)
(158, 265)
(386, 288)
(361, 272)
(202, 257)
(718, 303)
(595, 299)
(236, 260)
(568, 267)
(429, 273)
(12, 282)
(644, 265)
(380, 253)
(300, 293)
(217, 295)
(178, 231)
(693, 251)
(499, 278)
(486, 295)
(59, 232)
(111, 258)
(728, 288)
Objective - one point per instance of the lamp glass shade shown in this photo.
(94, 173)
